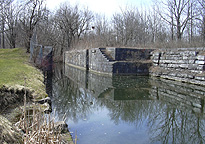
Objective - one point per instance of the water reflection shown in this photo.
(182, 118)
(144, 110)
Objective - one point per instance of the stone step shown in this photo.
(106, 55)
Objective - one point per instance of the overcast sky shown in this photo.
(107, 7)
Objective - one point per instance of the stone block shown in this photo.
(166, 61)
(183, 61)
(201, 57)
(191, 61)
(184, 66)
(185, 57)
(162, 58)
(163, 65)
(201, 78)
(155, 64)
(200, 67)
(155, 61)
(155, 53)
(174, 74)
(192, 66)
(189, 53)
(179, 61)
(175, 57)
(187, 75)
(173, 65)
(172, 52)
(200, 92)
(200, 62)
(198, 82)
(196, 71)
(155, 58)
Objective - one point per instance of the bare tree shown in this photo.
(177, 13)
(104, 31)
(2, 31)
(11, 20)
(128, 27)
(132, 28)
(31, 15)
(3, 5)
(72, 23)
(118, 28)
(157, 31)
(202, 18)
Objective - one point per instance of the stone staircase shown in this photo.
(106, 54)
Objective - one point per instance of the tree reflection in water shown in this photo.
(174, 111)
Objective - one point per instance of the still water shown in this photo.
(127, 109)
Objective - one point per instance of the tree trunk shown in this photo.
(13, 40)
(29, 41)
(191, 23)
(28, 46)
(172, 26)
(179, 34)
(203, 33)
(2, 34)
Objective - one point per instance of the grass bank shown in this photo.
(15, 70)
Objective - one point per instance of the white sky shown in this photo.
(107, 7)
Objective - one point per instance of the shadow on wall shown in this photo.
(112, 61)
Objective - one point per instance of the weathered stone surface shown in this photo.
(200, 77)
(77, 57)
(155, 60)
(181, 64)
(193, 66)
(186, 96)
(47, 108)
(111, 60)
(201, 57)
(200, 62)
(197, 105)
(201, 67)
(44, 100)
(61, 127)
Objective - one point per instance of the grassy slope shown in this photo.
(15, 68)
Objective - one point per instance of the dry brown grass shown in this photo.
(39, 128)
(96, 42)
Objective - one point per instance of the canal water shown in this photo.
(127, 109)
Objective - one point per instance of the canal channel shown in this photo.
(101, 109)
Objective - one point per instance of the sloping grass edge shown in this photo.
(16, 70)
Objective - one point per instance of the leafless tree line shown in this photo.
(70, 27)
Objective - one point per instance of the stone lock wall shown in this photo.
(121, 61)
(93, 83)
(181, 64)
(132, 68)
(76, 58)
(111, 61)
(98, 62)
(183, 95)
(130, 54)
